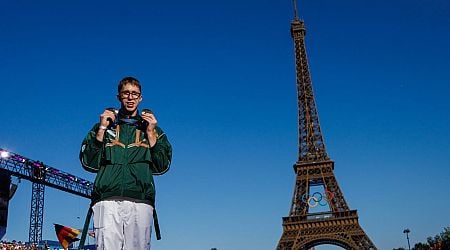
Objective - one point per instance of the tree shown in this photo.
(438, 242)
(421, 246)
(441, 241)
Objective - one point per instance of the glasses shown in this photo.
(126, 94)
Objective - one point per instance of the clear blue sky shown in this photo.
(220, 77)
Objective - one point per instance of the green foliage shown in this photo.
(421, 246)
(438, 242)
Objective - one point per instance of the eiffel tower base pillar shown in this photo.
(340, 229)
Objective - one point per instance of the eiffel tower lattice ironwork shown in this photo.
(304, 229)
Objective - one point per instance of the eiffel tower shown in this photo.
(304, 229)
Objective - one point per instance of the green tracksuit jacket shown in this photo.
(125, 163)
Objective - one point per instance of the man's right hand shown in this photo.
(106, 118)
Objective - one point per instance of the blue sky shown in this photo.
(220, 77)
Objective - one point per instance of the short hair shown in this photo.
(128, 80)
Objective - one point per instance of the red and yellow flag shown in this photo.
(66, 235)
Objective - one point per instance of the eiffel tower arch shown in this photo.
(305, 228)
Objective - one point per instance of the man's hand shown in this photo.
(105, 118)
(151, 125)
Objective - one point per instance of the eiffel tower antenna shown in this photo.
(294, 2)
(304, 228)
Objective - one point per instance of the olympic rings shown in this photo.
(329, 195)
(318, 198)
(303, 197)
(315, 200)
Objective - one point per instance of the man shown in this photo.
(125, 150)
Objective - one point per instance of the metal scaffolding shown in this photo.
(41, 175)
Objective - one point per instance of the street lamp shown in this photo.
(407, 231)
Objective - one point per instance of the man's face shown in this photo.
(130, 97)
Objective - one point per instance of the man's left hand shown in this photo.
(151, 131)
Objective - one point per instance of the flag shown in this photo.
(66, 235)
